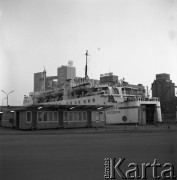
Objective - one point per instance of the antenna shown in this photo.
(86, 54)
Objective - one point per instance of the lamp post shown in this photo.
(3, 100)
(7, 94)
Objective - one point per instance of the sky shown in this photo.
(134, 39)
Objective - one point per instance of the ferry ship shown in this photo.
(130, 104)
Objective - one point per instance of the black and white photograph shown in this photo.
(88, 89)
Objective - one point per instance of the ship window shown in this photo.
(45, 116)
(75, 102)
(28, 116)
(78, 102)
(88, 100)
(50, 116)
(84, 101)
(71, 103)
(39, 116)
(55, 116)
(93, 100)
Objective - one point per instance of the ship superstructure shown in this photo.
(130, 103)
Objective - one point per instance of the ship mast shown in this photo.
(86, 54)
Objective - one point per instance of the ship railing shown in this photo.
(147, 99)
(141, 99)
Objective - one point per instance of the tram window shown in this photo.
(55, 116)
(28, 116)
(50, 116)
(65, 116)
(75, 116)
(70, 116)
(45, 116)
(80, 116)
(39, 116)
(84, 116)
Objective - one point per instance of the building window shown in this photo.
(50, 116)
(28, 116)
(45, 116)
(93, 100)
(39, 116)
(78, 102)
(55, 116)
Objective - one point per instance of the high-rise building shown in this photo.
(39, 81)
(164, 88)
(44, 83)
(66, 72)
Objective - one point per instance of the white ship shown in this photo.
(129, 104)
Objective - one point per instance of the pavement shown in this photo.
(170, 127)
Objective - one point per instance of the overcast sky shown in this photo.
(134, 39)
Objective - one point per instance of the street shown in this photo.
(80, 156)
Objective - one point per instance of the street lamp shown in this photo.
(3, 100)
(7, 94)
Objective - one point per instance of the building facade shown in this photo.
(64, 73)
(39, 81)
(164, 88)
(42, 82)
